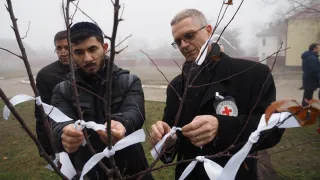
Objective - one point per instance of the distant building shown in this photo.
(296, 32)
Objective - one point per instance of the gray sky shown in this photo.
(144, 19)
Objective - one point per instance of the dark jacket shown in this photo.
(311, 70)
(244, 88)
(130, 160)
(47, 78)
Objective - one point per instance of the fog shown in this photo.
(147, 20)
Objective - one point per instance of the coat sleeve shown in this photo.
(132, 111)
(230, 127)
(61, 99)
(45, 95)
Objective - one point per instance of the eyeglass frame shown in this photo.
(186, 39)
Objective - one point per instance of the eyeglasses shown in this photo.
(186, 37)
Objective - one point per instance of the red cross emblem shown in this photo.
(227, 111)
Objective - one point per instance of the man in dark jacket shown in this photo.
(311, 71)
(127, 105)
(213, 115)
(47, 78)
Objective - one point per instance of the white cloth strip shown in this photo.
(51, 111)
(136, 137)
(67, 168)
(158, 147)
(212, 169)
(80, 124)
(282, 120)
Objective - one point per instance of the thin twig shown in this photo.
(238, 72)
(12, 53)
(269, 154)
(260, 94)
(108, 85)
(29, 132)
(105, 36)
(27, 31)
(121, 19)
(77, 5)
(180, 68)
(118, 52)
(121, 42)
(162, 74)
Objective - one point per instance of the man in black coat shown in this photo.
(47, 78)
(127, 105)
(213, 115)
(311, 71)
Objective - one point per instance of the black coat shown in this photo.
(129, 160)
(47, 78)
(244, 88)
(311, 70)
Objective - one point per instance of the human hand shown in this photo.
(201, 130)
(71, 138)
(158, 130)
(118, 132)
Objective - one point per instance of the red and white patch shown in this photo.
(227, 108)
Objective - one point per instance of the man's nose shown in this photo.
(183, 44)
(88, 58)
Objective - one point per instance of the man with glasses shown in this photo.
(47, 78)
(223, 104)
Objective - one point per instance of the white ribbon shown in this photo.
(212, 169)
(51, 111)
(204, 48)
(158, 147)
(231, 168)
(80, 124)
(67, 168)
(135, 137)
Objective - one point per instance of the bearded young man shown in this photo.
(88, 52)
(213, 115)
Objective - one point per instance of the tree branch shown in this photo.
(11, 53)
(105, 36)
(29, 132)
(118, 52)
(75, 90)
(108, 85)
(27, 31)
(162, 74)
(24, 57)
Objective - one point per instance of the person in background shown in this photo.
(311, 72)
(47, 78)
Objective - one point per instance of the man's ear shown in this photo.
(105, 47)
(209, 29)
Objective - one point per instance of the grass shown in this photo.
(19, 156)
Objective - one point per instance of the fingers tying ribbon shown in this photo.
(158, 147)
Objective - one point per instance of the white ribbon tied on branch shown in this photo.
(282, 120)
(80, 124)
(51, 111)
(55, 114)
(212, 169)
(136, 137)
(158, 147)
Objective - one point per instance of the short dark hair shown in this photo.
(60, 35)
(313, 46)
(84, 30)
